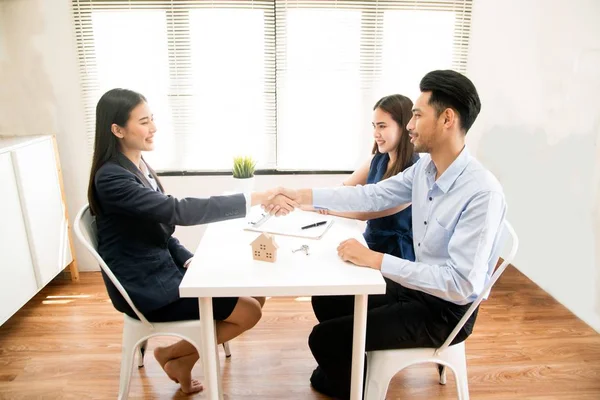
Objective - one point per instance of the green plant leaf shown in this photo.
(243, 167)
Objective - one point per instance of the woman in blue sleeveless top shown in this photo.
(390, 234)
(388, 231)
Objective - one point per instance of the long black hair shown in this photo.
(400, 109)
(114, 107)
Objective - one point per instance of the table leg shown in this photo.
(209, 358)
(358, 346)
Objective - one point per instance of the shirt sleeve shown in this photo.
(248, 202)
(463, 276)
(383, 195)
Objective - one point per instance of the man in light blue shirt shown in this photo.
(458, 211)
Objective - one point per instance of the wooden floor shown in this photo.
(66, 343)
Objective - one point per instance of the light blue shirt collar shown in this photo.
(449, 176)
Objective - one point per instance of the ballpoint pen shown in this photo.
(314, 225)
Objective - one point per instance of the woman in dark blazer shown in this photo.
(136, 221)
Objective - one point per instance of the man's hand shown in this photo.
(298, 197)
(279, 205)
(289, 193)
(321, 211)
(353, 251)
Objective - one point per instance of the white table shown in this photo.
(223, 267)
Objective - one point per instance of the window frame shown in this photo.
(179, 93)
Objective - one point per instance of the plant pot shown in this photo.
(243, 185)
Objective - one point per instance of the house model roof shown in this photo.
(265, 238)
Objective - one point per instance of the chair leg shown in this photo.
(378, 378)
(125, 378)
(442, 373)
(127, 354)
(460, 375)
(226, 348)
(141, 352)
(376, 387)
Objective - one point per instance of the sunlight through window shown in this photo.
(319, 95)
(409, 51)
(228, 88)
(290, 83)
(131, 52)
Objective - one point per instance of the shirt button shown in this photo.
(419, 244)
(431, 198)
(425, 222)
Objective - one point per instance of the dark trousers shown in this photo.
(402, 318)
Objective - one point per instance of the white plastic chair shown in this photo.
(382, 365)
(135, 332)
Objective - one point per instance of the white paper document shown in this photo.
(290, 225)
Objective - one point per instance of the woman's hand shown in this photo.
(279, 205)
(273, 202)
(281, 201)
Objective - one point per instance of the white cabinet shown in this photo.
(35, 241)
(18, 283)
(35, 168)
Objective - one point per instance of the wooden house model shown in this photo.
(264, 248)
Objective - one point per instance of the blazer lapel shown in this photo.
(129, 166)
(167, 230)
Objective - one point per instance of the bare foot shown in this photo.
(161, 355)
(180, 370)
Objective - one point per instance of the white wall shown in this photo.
(40, 91)
(536, 64)
(2, 36)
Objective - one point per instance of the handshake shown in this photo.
(281, 201)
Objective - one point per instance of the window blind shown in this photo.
(207, 69)
(291, 83)
(335, 59)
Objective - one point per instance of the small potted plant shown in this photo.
(243, 173)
